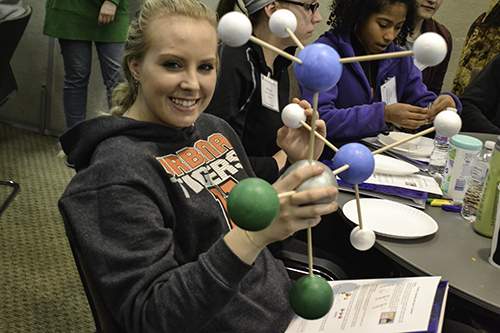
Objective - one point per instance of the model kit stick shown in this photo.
(358, 205)
(376, 56)
(339, 170)
(313, 126)
(295, 39)
(275, 49)
(319, 136)
(424, 132)
(286, 194)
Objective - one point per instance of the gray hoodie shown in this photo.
(147, 211)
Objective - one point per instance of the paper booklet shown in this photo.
(411, 190)
(404, 196)
(414, 304)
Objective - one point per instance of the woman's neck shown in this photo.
(417, 30)
(263, 33)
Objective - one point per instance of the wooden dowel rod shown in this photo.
(342, 168)
(310, 250)
(358, 205)
(411, 137)
(376, 56)
(319, 136)
(286, 194)
(295, 39)
(313, 127)
(275, 49)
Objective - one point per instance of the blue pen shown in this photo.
(451, 208)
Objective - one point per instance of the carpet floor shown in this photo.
(40, 288)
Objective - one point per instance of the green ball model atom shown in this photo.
(253, 204)
(311, 297)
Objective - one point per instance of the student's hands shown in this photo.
(107, 13)
(440, 104)
(405, 115)
(295, 142)
(294, 215)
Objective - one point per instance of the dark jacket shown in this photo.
(481, 101)
(237, 99)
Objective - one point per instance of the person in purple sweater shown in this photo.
(374, 96)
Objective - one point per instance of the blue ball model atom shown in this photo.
(320, 69)
(360, 160)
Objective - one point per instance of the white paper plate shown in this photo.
(420, 147)
(391, 219)
(393, 166)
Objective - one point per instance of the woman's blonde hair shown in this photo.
(139, 41)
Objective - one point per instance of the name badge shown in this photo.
(419, 65)
(269, 93)
(388, 91)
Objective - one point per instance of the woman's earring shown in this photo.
(136, 86)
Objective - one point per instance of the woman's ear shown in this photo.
(133, 67)
(271, 8)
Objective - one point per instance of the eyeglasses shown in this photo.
(309, 6)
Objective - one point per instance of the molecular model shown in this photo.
(253, 204)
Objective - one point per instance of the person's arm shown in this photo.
(415, 93)
(348, 124)
(295, 214)
(481, 101)
(131, 254)
(107, 12)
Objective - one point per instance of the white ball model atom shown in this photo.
(234, 29)
(362, 239)
(447, 123)
(280, 20)
(292, 115)
(430, 49)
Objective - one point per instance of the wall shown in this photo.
(37, 65)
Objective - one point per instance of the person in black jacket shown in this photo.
(481, 101)
(250, 70)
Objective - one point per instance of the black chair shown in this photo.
(11, 31)
(295, 263)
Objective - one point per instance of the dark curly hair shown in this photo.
(346, 14)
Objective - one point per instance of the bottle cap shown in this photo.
(466, 142)
(490, 144)
(451, 109)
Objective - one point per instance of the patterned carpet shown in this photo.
(40, 289)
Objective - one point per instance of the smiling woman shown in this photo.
(176, 77)
(147, 207)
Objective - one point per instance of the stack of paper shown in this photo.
(414, 304)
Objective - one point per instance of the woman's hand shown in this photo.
(295, 142)
(405, 115)
(295, 214)
(107, 13)
(440, 104)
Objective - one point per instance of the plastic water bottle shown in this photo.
(438, 157)
(488, 205)
(474, 187)
(439, 154)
